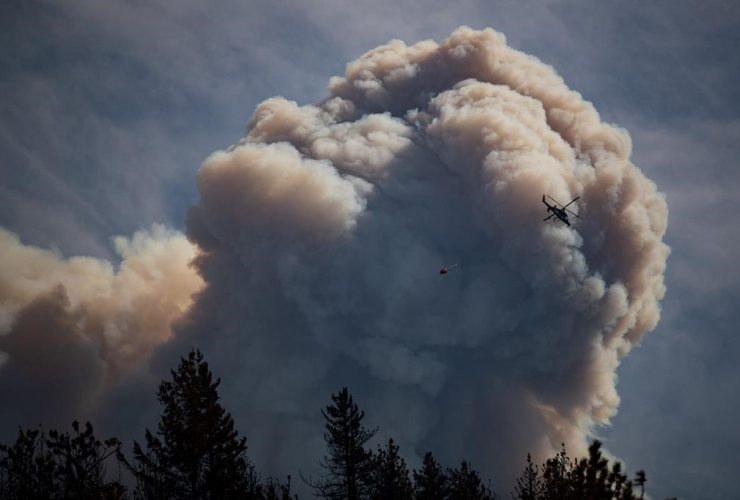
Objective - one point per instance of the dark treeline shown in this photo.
(196, 453)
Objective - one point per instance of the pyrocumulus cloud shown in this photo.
(320, 236)
(323, 231)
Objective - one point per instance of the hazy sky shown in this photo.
(110, 108)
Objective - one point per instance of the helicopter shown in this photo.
(560, 213)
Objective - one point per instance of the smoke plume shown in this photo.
(70, 328)
(323, 230)
(320, 236)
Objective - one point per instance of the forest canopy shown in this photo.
(196, 452)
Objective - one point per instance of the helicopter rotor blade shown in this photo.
(574, 199)
(574, 214)
(553, 199)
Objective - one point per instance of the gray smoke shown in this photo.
(319, 238)
(323, 230)
(71, 328)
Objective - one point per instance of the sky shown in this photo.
(111, 109)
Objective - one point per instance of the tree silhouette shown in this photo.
(465, 484)
(348, 464)
(430, 483)
(58, 467)
(557, 477)
(529, 486)
(640, 480)
(27, 468)
(196, 453)
(272, 489)
(592, 478)
(81, 463)
(390, 477)
(585, 479)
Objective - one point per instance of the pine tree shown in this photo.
(272, 489)
(390, 478)
(529, 486)
(465, 484)
(640, 481)
(588, 478)
(27, 468)
(348, 463)
(81, 463)
(431, 482)
(557, 477)
(58, 466)
(197, 452)
(599, 480)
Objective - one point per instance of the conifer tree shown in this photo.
(640, 481)
(272, 489)
(390, 478)
(465, 484)
(588, 478)
(348, 464)
(529, 485)
(27, 468)
(558, 478)
(197, 452)
(58, 466)
(430, 483)
(81, 463)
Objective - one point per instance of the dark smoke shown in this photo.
(320, 236)
(322, 232)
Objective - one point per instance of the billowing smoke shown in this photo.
(320, 237)
(70, 328)
(323, 230)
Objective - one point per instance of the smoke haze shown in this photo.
(70, 328)
(319, 239)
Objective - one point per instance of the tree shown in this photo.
(27, 468)
(592, 478)
(151, 470)
(197, 452)
(390, 477)
(589, 478)
(640, 480)
(60, 467)
(272, 489)
(557, 477)
(430, 483)
(348, 464)
(465, 484)
(529, 486)
(81, 463)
